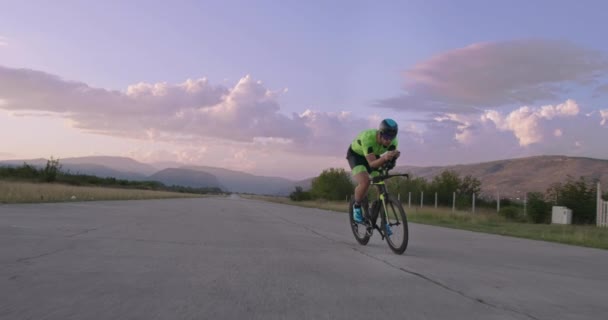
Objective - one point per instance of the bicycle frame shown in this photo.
(384, 200)
(378, 182)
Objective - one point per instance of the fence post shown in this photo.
(498, 201)
(598, 213)
(453, 201)
(435, 200)
(399, 197)
(421, 198)
(525, 204)
(473, 203)
(409, 199)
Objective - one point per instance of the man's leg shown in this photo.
(362, 179)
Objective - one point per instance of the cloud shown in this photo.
(525, 122)
(185, 155)
(495, 74)
(604, 116)
(463, 126)
(3, 41)
(194, 107)
(242, 126)
(192, 111)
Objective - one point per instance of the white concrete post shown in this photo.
(497, 201)
(473, 203)
(598, 213)
(421, 198)
(525, 204)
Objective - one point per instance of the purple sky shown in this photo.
(282, 88)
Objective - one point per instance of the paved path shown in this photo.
(231, 258)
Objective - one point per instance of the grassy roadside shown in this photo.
(27, 192)
(487, 222)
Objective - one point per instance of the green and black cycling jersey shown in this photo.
(365, 143)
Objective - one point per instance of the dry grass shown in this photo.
(26, 192)
(483, 220)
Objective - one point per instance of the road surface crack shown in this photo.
(437, 283)
(28, 259)
(414, 273)
(82, 232)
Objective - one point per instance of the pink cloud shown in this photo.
(192, 111)
(495, 74)
(604, 116)
(525, 122)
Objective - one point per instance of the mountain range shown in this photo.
(171, 173)
(509, 177)
(513, 177)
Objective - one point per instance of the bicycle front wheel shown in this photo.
(396, 218)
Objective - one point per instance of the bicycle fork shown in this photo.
(375, 211)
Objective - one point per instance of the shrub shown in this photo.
(539, 211)
(300, 195)
(511, 213)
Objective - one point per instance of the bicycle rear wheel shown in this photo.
(397, 220)
(359, 230)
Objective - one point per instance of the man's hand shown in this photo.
(390, 155)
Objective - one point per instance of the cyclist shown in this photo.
(371, 149)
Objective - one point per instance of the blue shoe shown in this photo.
(357, 214)
(389, 232)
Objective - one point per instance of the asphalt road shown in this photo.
(231, 258)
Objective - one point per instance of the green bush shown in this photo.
(300, 195)
(332, 184)
(52, 173)
(49, 174)
(579, 196)
(511, 213)
(539, 211)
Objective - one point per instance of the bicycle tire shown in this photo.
(363, 240)
(398, 248)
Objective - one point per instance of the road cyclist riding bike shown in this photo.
(370, 156)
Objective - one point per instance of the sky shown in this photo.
(282, 88)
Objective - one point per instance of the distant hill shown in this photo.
(39, 162)
(241, 182)
(506, 176)
(523, 174)
(98, 166)
(186, 178)
(100, 171)
(123, 164)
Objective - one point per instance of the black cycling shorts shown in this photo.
(355, 159)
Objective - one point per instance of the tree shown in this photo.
(51, 170)
(445, 184)
(300, 195)
(470, 186)
(577, 196)
(332, 184)
(539, 210)
(404, 186)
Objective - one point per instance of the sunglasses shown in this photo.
(387, 136)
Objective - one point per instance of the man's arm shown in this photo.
(377, 162)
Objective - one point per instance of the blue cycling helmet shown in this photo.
(388, 129)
